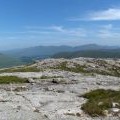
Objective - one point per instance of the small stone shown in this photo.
(46, 116)
(100, 103)
(78, 114)
(36, 110)
(70, 113)
(18, 107)
(115, 110)
(105, 112)
(115, 104)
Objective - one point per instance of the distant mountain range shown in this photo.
(47, 51)
(27, 55)
(105, 53)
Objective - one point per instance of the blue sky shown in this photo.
(25, 23)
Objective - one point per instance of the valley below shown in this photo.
(54, 89)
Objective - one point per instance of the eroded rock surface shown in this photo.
(57, 97)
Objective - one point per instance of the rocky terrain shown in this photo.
(55, 89)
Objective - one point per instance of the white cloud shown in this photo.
(61, 30)
(57, 28)
(108, 31)
(43, 28)
(108, 34)
(110, 14)
(104, 15)
(69, 31)
(43, 35)
(107, 27)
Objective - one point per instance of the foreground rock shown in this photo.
(56, 97)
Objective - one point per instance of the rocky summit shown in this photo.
(55, 89)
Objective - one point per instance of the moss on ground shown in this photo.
(115, 71)
(77, 68)
(12, 79)
(21, 69)
(50, 77)
(100, 100)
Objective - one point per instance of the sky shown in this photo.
(26, 23)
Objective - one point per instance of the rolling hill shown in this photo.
(7, 61)
(107, 53)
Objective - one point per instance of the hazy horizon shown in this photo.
(29, 23)
(115, 46)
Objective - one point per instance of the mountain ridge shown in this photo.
(105, 53)
(51, 50)
(28, 55)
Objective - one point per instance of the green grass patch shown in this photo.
(77, 68)
(49, 77)
(115, 71)
(21, 69)
(12, 79)
(100, 100)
